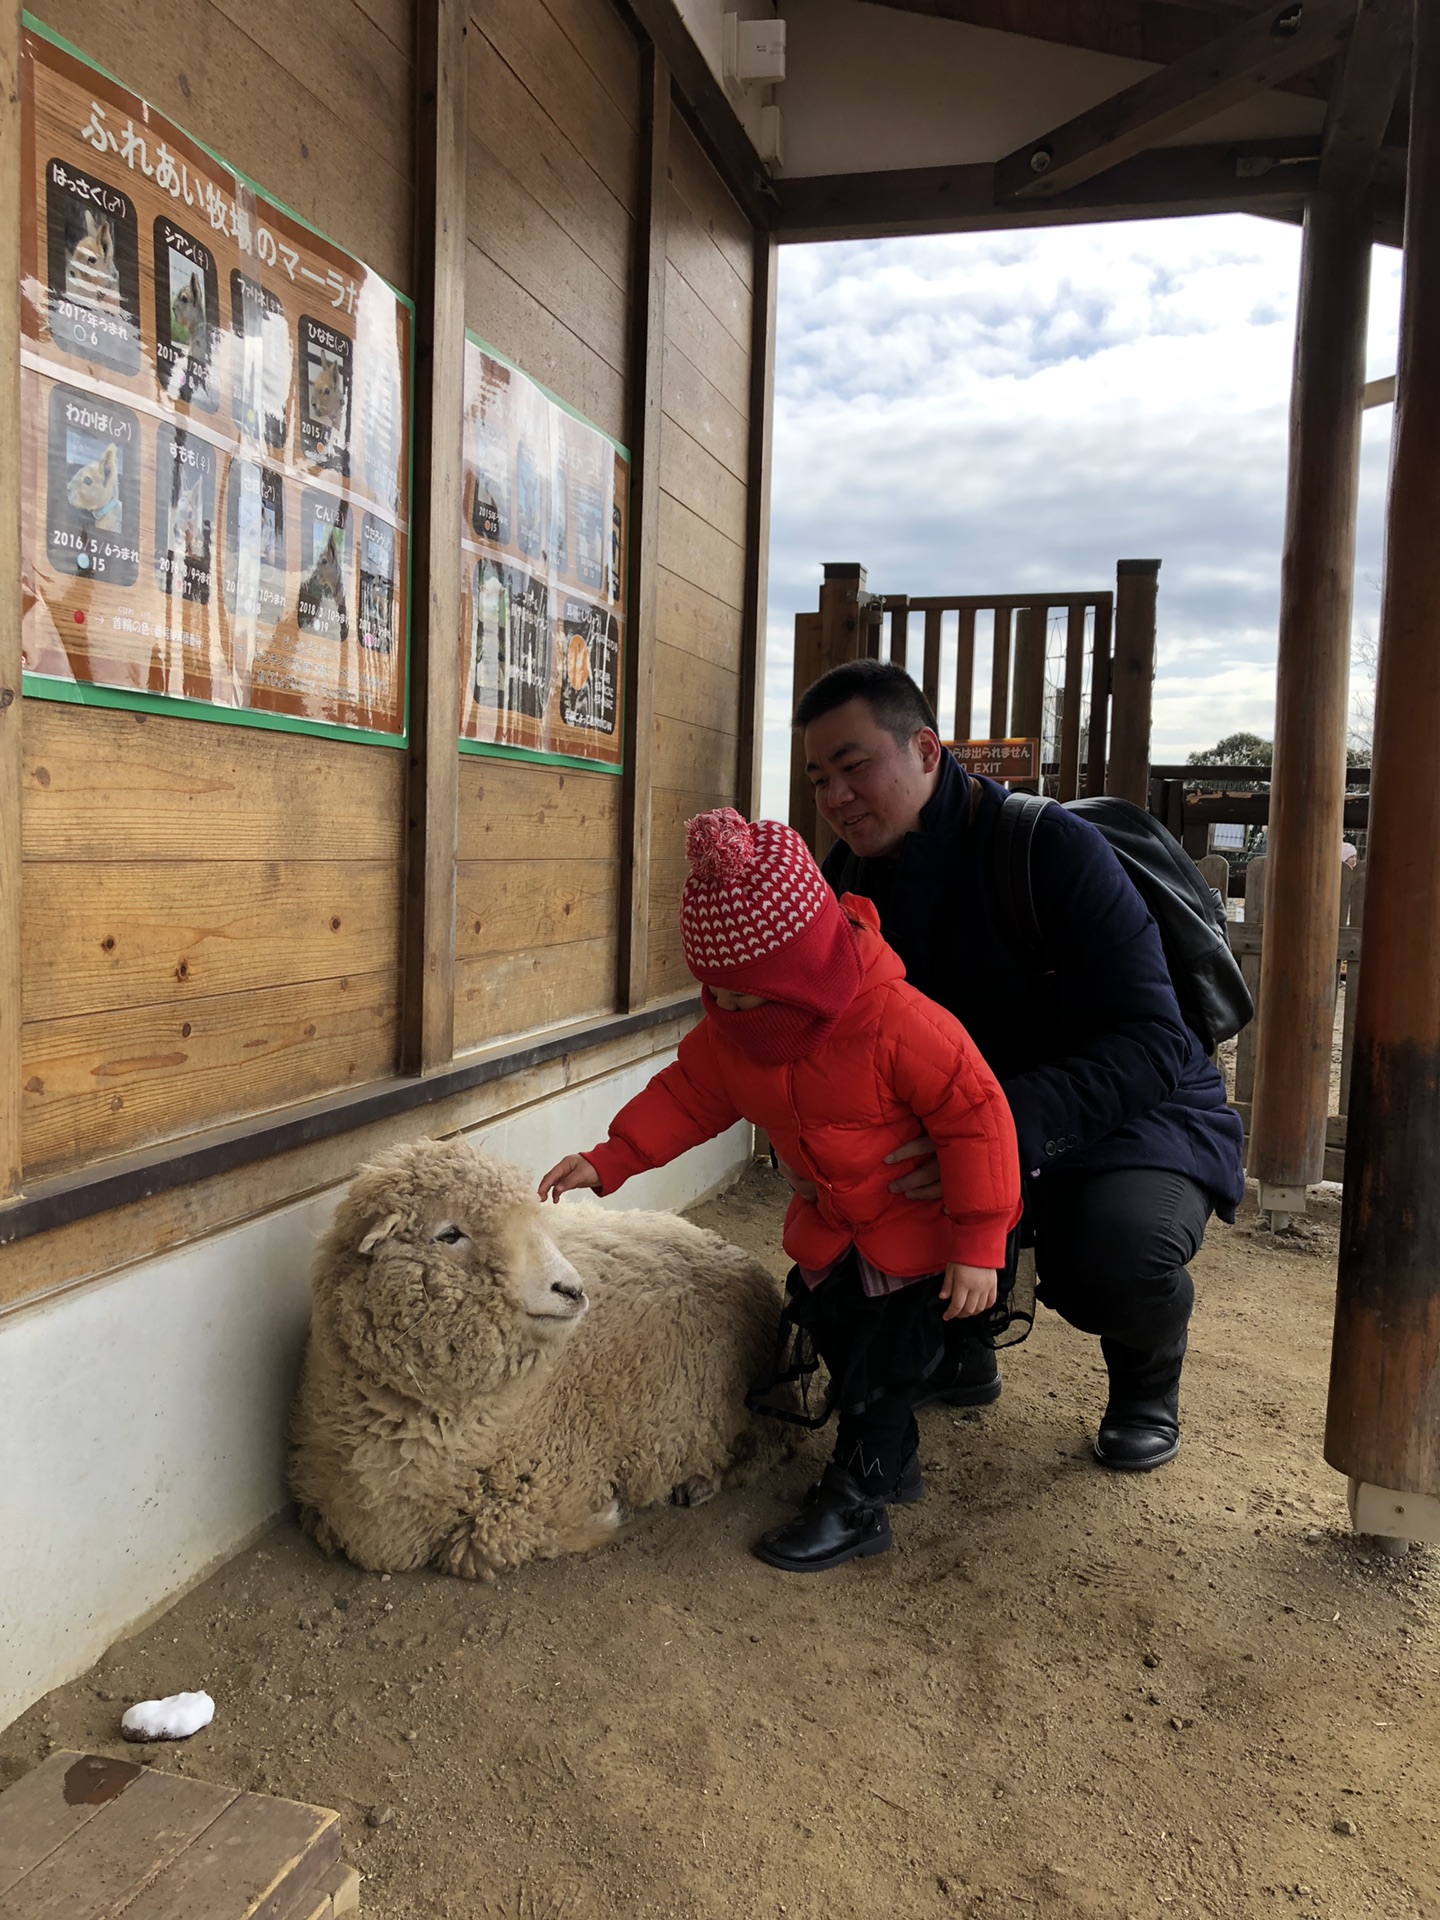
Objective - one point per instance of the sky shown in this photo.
(980, 413)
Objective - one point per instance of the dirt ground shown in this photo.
(1064, 1694)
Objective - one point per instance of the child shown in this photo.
(812, 1033)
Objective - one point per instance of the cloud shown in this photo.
(987, 413)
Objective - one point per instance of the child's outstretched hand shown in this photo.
(574, 1171)
(967, 1290)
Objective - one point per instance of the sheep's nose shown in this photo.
(567, 1290)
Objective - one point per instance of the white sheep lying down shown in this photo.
(487, 1383)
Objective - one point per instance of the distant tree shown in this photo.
(1236, 750)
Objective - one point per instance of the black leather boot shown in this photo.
(908, 1488)
(841, 1522)
(974, 1382)
(1141, 1427)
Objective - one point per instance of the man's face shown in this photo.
(869, 786)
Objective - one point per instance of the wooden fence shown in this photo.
(1247, 939)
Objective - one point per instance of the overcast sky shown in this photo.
(986, 413)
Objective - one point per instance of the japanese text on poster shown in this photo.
(215, 406)
(545, 541)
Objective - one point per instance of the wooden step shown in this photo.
(83, 1837)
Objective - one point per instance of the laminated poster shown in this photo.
(215, 408)
(545, 537)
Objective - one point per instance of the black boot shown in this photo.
(972, 1380)
(1141, 1427)
(908, 1488)
(842, 1522)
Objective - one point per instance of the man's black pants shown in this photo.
(1112, 1252)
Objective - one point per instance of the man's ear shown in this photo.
(928, 742)
(380, 1231)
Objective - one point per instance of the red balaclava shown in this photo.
(757, 916)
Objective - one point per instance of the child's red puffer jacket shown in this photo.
(897, 1065)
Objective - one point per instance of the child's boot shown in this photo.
(840, 1522)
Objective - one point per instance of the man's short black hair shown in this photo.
(891, 695)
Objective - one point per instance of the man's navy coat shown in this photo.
(1088, 1042)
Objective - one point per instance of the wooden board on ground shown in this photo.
(85, 1837)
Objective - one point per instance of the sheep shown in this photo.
(486, 1385)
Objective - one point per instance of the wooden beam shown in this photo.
(802, 815)
(647, 380)
(715, 123)
(1133, 679)
(1000, 675)
(1364, 97)
(757, 523)
(12, 186)
(1027, 718)
(1257, 176)
(964, 671)
(432, 808)
(1097, 746)
(1383, 1426)
(1308, 776)
(930, 667)
(1285, 39)
(1069, 783)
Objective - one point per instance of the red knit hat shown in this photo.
(757, 917)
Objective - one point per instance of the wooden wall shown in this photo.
(214, 917)
(181, 966)
(704, 451)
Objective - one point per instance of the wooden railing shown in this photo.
(1247, 939)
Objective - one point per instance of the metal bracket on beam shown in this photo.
(1282, 1204)
(1394, 1516)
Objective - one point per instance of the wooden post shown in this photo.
(1133, 678)
(1074, 692)
(802, 815)
(841, 635)
(757, 524)
(647, 368)
(1000, 676)
(432, 809)
(1098, 743)
(1307, 789)
(930, 672)
(11, 704)
(899, 630)
(964, 672)
(1384, 1414)
(1027, 718)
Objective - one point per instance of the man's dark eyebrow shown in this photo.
(849, 746)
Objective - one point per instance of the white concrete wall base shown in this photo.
(142, 1419)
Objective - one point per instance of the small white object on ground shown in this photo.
(173, 1719)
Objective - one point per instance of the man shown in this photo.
(1126, 1141)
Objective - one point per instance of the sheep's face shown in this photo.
(446, 1284)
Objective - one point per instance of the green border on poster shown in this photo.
(494, 749)
(39, 686)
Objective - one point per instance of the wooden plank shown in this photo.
(964, 672)
(1247, 937)
(687, 754)
(12, 706)
(898, 645)
(102, 785)
(809, 643)
(511, 906)
(102, 1084)
(712, 207)
(691, 689)
(704, 342)
(759, 461)
(607, 48)
(695, 404)
(512, 811)
(48, 1806)
(337, 54)
(647, 362)
(520, 235)
(700, 553)
(708, 274)
(507, 315)
(522, 993)
(1347, 1031)
(254, 1863)
(691, 474)
(442, 68)
(115, 1857)
(599, 125)
(1073, 696)
(1000, 674)
(1133, 679)
(1363, 96)
(206, 72)
(542, 146)
(930, 670)
(711, 116)
(135, 934)
(696, 623)
(1250, 58)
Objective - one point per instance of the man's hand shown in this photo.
(922, 1182)
(573, 1171)
(806, 1189)
(967, 1290)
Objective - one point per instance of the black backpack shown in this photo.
(1209, 985)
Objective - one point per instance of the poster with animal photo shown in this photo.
(544, 529)
(215, 413)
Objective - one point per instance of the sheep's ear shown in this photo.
(380, 1231)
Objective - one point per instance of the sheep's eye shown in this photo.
(452, 1236)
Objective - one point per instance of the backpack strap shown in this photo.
(1014, 898)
